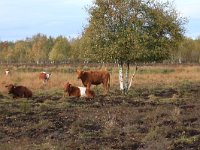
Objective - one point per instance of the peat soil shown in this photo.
(159, 118)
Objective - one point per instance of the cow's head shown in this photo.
(10, 88)
(48, 75)
(67, 87)
(79, 73)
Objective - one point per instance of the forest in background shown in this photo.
(122, 32)
(41, 49)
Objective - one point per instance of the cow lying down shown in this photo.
(78, 91)
(19, 91)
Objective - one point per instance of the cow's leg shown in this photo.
(88, 86)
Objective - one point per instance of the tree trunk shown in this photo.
(126, 78)
(121, 82)
(124, 82)
(130, 83)
(179, 60)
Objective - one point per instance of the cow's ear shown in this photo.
(78, 71)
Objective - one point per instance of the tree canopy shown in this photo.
(127, 31)
(60, 50)
(133, 30)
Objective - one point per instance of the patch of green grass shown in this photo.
(61, 104)
(86, 128)
(42, 124)
(151, 135)
(25, 106)
(155, 71)
(43, 107)
(9, 106)
(170, 101)
(185, 141)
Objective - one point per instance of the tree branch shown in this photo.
(133, 75)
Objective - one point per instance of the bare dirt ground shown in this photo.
(147, 118)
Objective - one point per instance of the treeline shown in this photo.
(187, 52)
(38, 49)
(41, 49)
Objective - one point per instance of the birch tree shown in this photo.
(60, 50)
(127, 31)
(40, 48)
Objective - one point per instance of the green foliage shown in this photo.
(129, 31)
(21, 50)
(60, 50)
(40, 48)
(188, 51)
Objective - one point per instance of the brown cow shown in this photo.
(95, 77)
(19, 91)
(78, 91)
(44, 76)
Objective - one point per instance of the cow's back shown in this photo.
(27, 92)
(74, 91)
(42, 76)
(22, 91)
(97, 77)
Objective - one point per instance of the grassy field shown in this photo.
(161, 111)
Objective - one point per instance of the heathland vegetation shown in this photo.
(160, 110)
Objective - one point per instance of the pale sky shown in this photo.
(24, 18)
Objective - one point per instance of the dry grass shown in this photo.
(181, 74)
(153, 76)
(161, 111)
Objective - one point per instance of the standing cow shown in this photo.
(71, 90)
(95, 77)
(44, 76)
(19, 91)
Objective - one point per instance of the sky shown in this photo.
(24, 18)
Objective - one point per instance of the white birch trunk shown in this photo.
(126, 79)
(180, 60)
(133, 75)
(121, 82)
